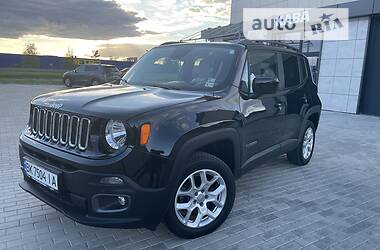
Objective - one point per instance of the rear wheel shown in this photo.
(67, 82)
(303, 153)
(204, 197)
(95, 82)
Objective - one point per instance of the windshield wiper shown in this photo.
(162, 87)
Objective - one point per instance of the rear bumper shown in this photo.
(81, 191)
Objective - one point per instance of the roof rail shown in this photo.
(268, 43)
(169, 43)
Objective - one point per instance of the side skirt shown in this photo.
(269, 154)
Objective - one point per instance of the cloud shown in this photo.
(123, 50)
(83, 19)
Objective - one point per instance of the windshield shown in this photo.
(185, 67)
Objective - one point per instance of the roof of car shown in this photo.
(245, 43)
(99, 64)
(199, 44)
(108, 65)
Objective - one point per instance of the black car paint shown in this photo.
(182, 123)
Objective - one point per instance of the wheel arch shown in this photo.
(217, 142)
(67, 77)
(313, 114)
(314, 118)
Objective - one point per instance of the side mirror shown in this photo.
(265, 85)
(258, 86)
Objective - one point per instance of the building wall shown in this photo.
(341, 69)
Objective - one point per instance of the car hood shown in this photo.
(116, 101)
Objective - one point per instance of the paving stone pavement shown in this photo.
(333, 203)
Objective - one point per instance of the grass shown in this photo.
(30, 76)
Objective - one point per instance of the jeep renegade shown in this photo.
(170, 140)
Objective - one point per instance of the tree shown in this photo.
(69, 59)
(30, 49)
(30, 58)
(95, 54)
(69, 53)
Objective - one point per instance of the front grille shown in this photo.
(60, 128)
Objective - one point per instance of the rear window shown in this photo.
(110, 69)
(291, 70)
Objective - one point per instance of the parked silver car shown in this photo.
(91, 74)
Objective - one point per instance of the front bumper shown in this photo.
(79, 191)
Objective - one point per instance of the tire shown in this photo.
(298, 156)
(68, 83)
(212, 204)
(94, 82)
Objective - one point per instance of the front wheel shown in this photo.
(204, 197)
(304, 151)
(68, 82)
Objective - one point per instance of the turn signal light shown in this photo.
(144, 134)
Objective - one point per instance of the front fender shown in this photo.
(189, 144)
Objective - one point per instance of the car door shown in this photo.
(295, 77)
(79, 74)
(90, 73)
(264, 114)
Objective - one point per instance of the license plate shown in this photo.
(41, 175)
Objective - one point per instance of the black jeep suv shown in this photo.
(169, 142)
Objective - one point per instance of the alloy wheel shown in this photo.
(200, 198)
(308, 143)
(68, 82)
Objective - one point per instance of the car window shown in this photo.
(80, 68)
(187, 67)
(263, 63)
(303, 71)
(111, 69)
(291, 70)
(91, 68)
(245, 79)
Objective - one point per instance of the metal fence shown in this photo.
(51, 62)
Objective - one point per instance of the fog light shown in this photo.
(122, 200)
(110, 203)
(112, 180)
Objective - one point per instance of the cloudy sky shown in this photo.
(118, 28)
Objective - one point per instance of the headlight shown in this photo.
(116, 134)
